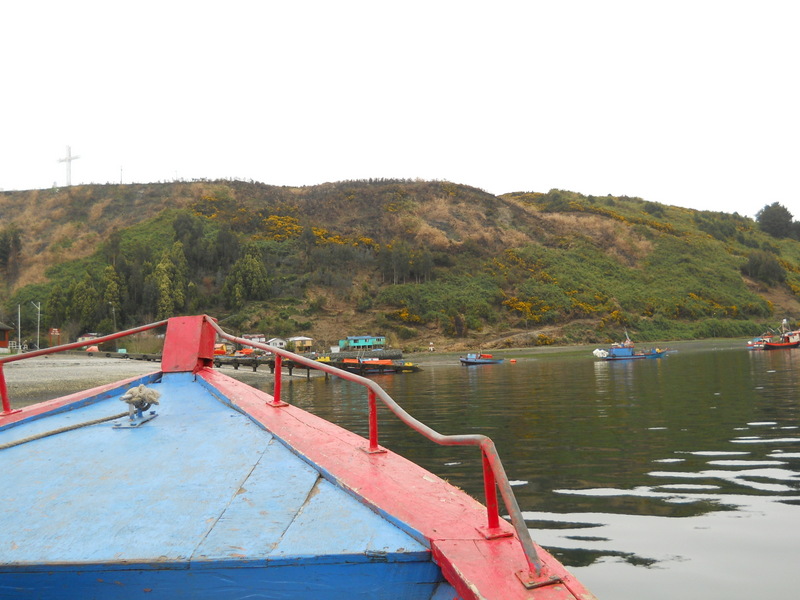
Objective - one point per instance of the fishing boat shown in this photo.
(186, 483)
(627, 351)
(783, 343)
(479, 359)
(789, 339)
(784, 339)
(757, 343)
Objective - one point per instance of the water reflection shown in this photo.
(673, 474)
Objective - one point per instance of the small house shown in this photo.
(363, 342)
(276, 342)
(5, 336)
(302, 343)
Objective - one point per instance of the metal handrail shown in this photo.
(62, 348)
(494, 474)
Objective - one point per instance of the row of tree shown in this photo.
(10, 249)
(206, 265)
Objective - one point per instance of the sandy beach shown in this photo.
(46, 377)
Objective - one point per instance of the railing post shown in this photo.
(4, 392)
(276, 395)
(492, 471)
(373, 424)
(276, 390)
(490, 491)
(4, 395)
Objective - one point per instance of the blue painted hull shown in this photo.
(627, 352)
(638, 356)
(212, 582)
(200, 502)
(477, 359)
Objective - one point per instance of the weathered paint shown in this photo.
(188, 346)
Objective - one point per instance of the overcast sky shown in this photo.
(690, 103)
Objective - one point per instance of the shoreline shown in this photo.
(42, 378)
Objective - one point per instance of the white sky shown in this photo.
(692, 103)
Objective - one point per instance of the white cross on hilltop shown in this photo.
(68, 159)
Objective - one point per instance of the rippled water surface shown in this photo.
(675, 477)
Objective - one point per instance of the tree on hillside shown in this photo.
(170, 279)
(112, 291)
(113, 246)
(764, 267)
(776, 220)
(247, 280)
(308, 241)
(395, 261)
(225, 248)
(10, 249)
(85, 302)
(55, 309)
(422, 265)
(190, 231)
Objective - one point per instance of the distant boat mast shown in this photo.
(68, 159)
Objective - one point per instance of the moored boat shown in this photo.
(784, 339)
(627, 351)
(757, 343)
(203, 487)
(368, 366)
(789, 340)
(479, 359)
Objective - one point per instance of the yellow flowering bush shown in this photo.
(282, 228)
(405, 316)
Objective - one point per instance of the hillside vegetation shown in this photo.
(421, 262)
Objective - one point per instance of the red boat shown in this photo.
(784, 342)
(786, 339)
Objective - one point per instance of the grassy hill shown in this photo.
(418, 261)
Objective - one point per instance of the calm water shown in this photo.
(677, 477)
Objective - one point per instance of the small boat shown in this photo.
(627, 351)
(784, 339)
(757, 343)
(370, 366)
(206, 488)
(479, 359)
(790, 339)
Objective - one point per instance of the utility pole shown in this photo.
(68, 159)
(38, 306)
(114, 317)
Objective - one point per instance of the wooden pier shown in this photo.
(376, 366)
(256, 361)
